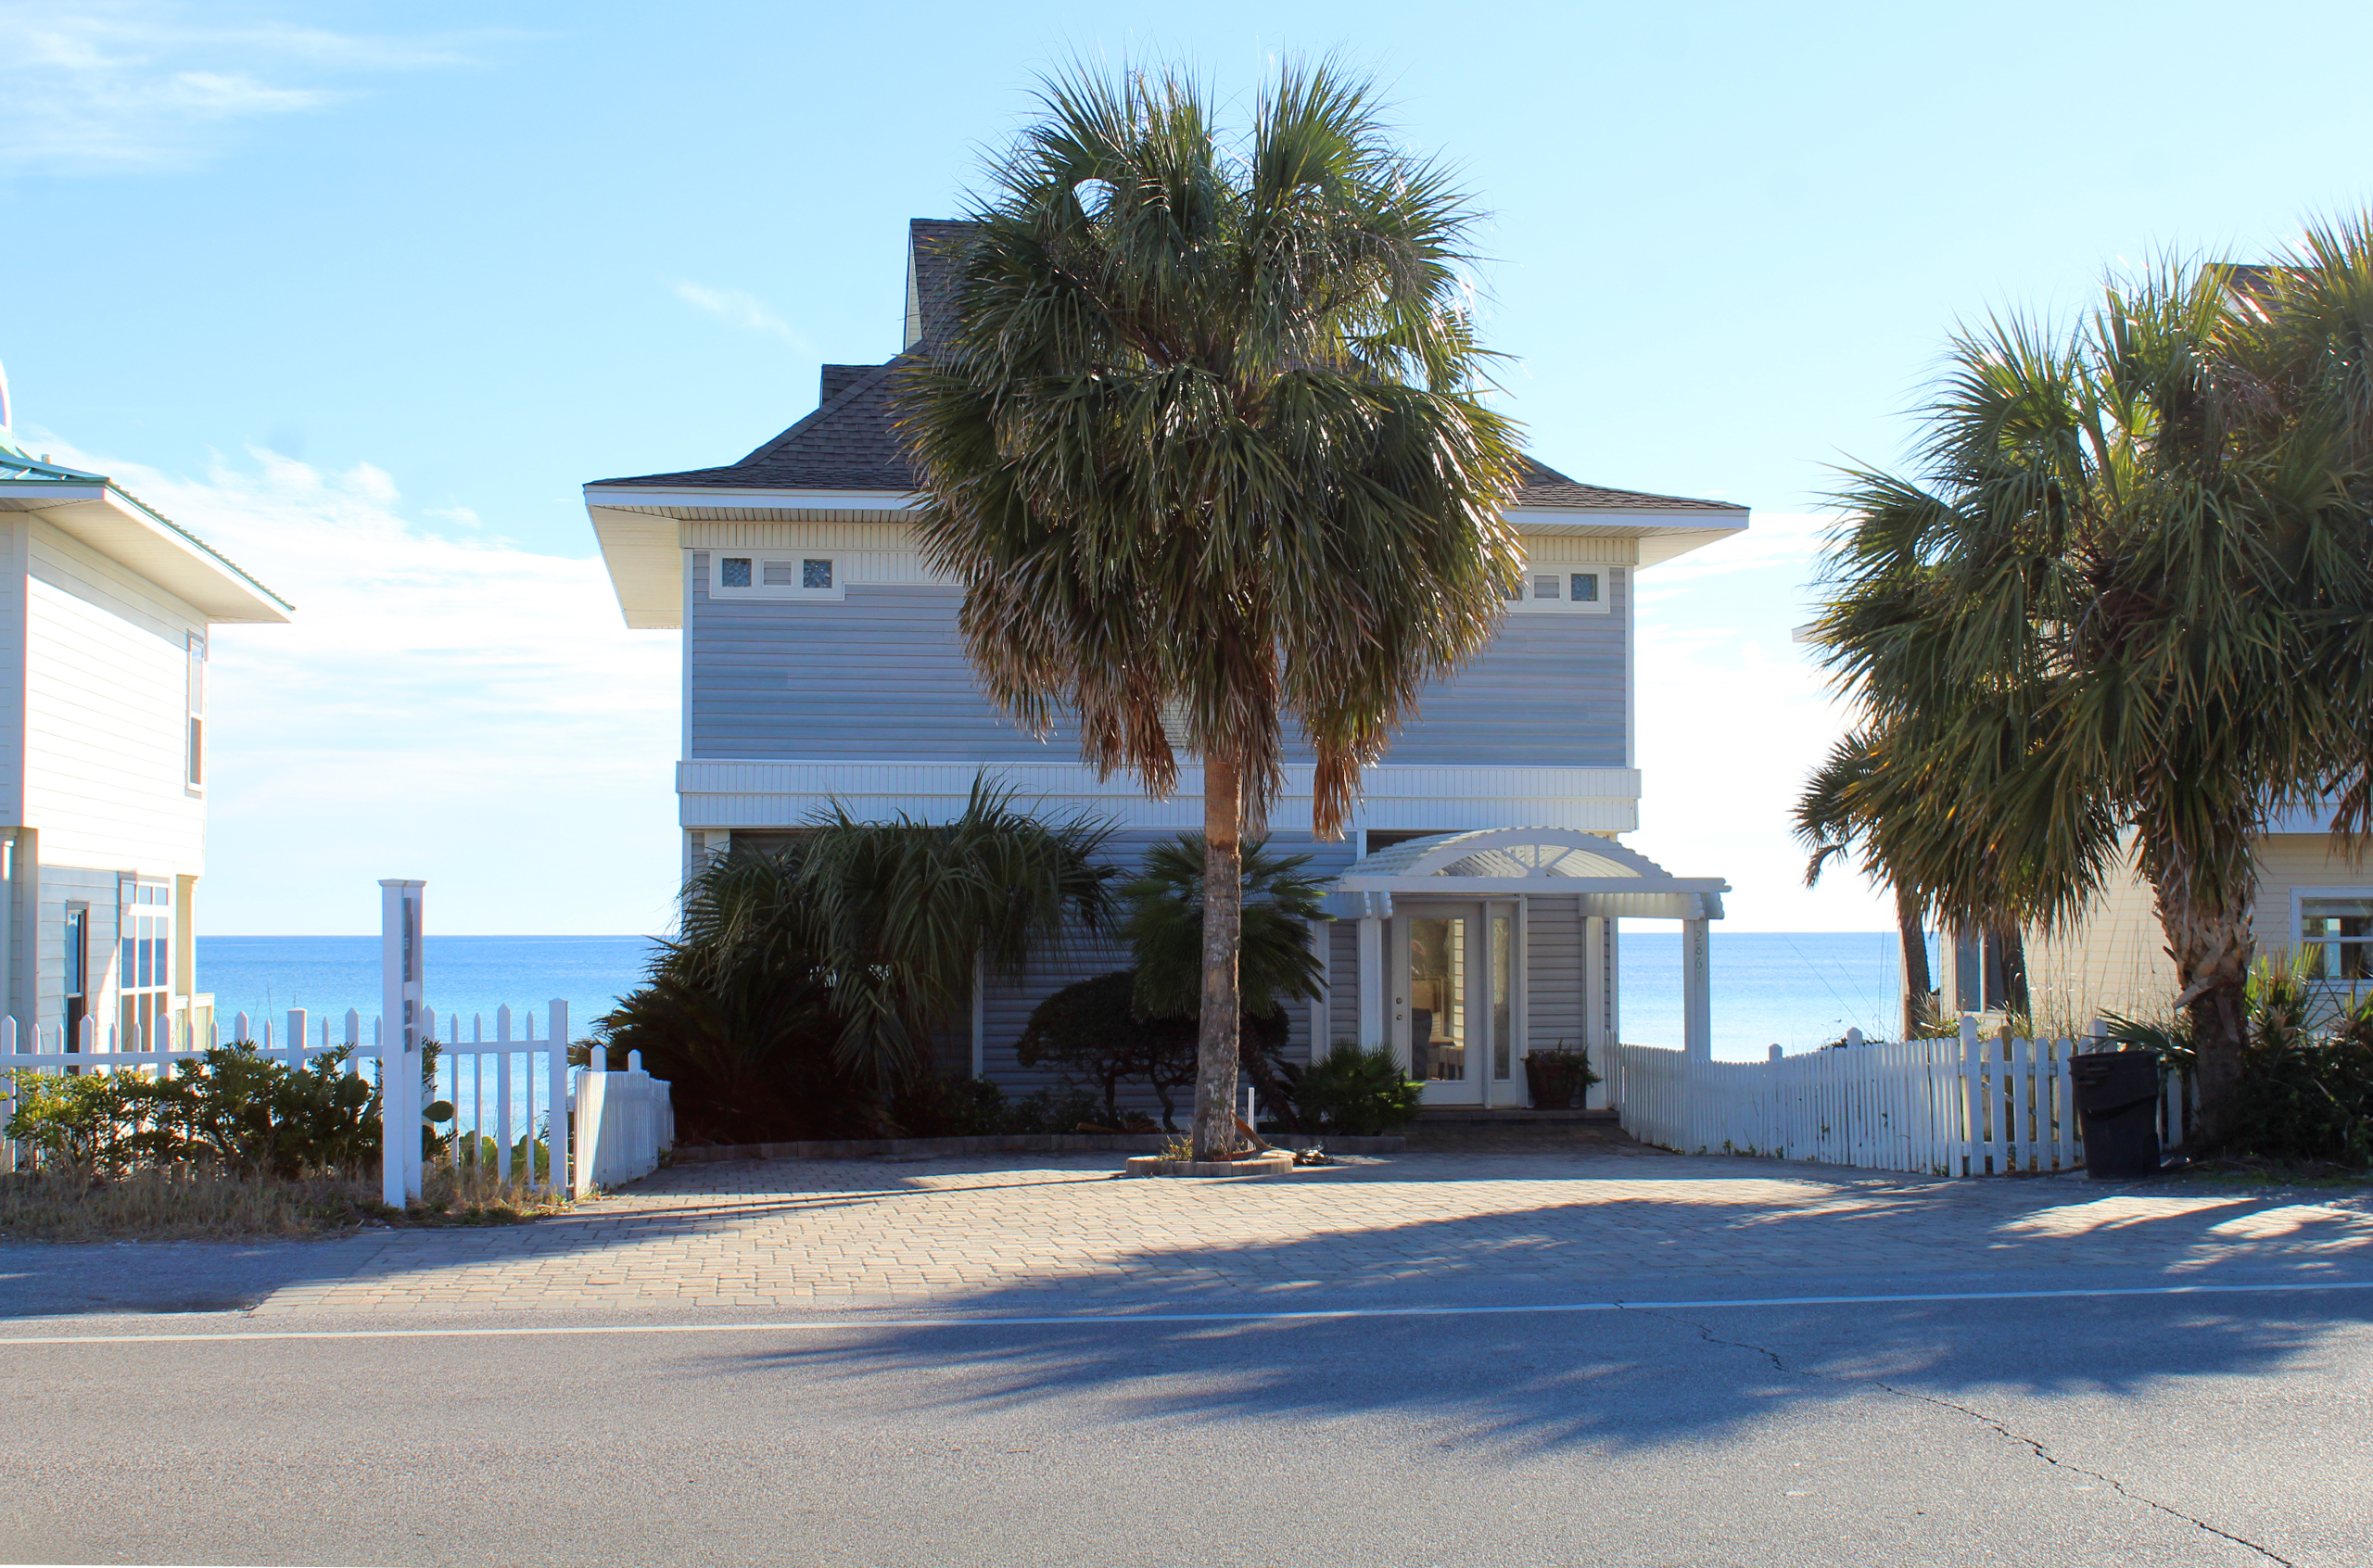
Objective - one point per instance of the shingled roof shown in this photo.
(849, 444)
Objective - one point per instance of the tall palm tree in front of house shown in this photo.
(1204, 432)
(2129, 594)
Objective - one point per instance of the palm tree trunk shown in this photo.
(1917, 983)
(2212, 949)
(2012, 943)
(1216, 1049)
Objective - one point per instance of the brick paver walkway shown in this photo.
(993, 1231)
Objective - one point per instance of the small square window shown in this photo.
(734, 572)
(813, 573)
(1584, 587)
(1544, 588)
(1516, 590)
(778, 573)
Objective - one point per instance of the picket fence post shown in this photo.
(560, 1141)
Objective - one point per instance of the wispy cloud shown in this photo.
(115, 85)
(457, 708)
(736, 308)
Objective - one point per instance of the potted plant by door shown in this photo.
(1557, 1077)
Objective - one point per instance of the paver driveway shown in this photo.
(980, 1230)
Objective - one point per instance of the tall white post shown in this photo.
(297, 1039)
(558, 1110)
(1696, 990)
(400, 1008)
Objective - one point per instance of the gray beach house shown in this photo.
(1478, 896)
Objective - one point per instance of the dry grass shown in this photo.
(70, 1206)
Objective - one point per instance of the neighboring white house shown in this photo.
(1477, 896)
(105, 608)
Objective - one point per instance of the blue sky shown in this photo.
(365, 292)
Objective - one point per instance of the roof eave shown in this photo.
(1663, 534)
(124, 529)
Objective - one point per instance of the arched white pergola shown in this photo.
(1606, 881)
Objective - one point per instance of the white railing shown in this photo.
(503, 1088)
(1956, 1107)
(623, 1121)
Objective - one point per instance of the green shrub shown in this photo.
(1355, 1093)
(1052, 1110)
(103, 1122)
(938, 1105)
(2305, 1092)
(233, 1109)
(1092, 1033)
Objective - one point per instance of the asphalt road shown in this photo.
(2223, 1428)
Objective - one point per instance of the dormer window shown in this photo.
(761, 576)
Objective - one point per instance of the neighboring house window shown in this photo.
(197, 710)
(776, 576)
(77, 972)
(2334, 938)
(1583, 587)
(144, 964)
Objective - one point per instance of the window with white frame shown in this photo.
(775, 575)
(1584, 590)
(2336, 938)
(145, 962)
(197, 711)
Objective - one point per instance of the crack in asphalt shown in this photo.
(1707, 1334)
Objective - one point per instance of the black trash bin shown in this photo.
(2117, 1093)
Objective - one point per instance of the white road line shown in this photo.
(1320, 1314)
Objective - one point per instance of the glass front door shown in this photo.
(1455, 984)
(1440, 1003)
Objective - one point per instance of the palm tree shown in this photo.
(2128, 593)
(1164, 927)
(908, 915)
(1829, 824)
(804, 984)
(1204, 431)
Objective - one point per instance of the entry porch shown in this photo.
(1477, 948)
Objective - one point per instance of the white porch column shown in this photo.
(1372, 978)
(1696, 990)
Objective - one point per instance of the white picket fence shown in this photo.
(502, 1087)
(1964, 1106)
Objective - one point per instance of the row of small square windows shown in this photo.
(1579, 587)
(733, 571)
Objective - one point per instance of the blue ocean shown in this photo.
(1792, 989)
(264, 977)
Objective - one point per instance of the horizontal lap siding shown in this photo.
(107, 716)
(1549, 690)
(1554, 971)
(879, 675)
